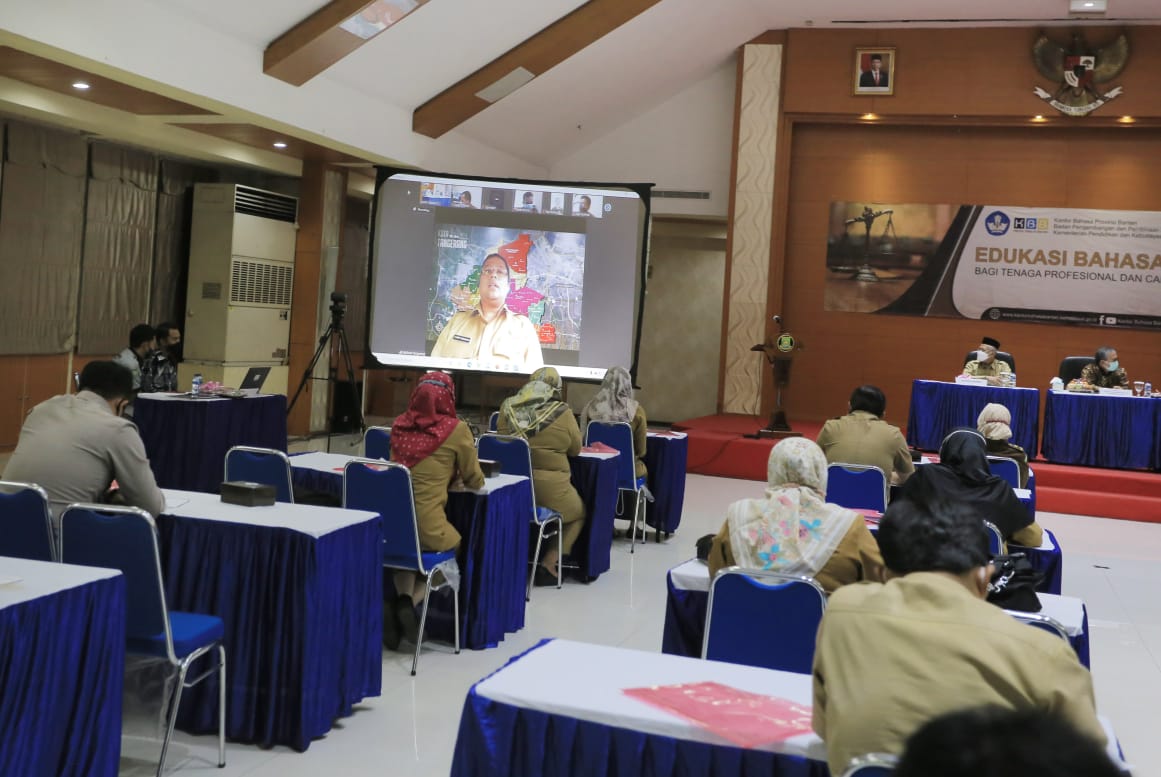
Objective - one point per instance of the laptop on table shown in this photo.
(252, 383)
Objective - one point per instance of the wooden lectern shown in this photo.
(780, 355)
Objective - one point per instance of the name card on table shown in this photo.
(1115, 392)
(968, 380)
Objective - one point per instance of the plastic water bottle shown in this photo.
(197, 383)
(1012, 379)
(1148, 389)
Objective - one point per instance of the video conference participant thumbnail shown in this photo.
(491, 331)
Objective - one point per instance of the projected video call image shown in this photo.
(489, 275)
(501, 295)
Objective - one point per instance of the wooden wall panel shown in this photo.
(1079, 168)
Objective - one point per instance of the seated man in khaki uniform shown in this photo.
(986, 365)
(863, 437)
(490, 331)
(892, 656)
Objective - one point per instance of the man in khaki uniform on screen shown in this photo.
(863, 437)
(490, 331)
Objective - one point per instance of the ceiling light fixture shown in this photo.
(80, 85)
(1088, 6)
(1126, 120)
(869, 116)
(279, 144)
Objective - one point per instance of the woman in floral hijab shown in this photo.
(793, 529)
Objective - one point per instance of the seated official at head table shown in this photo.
(537, 414)
(793, 529)
(986, 365)
(438, 448)
(892, 656)
(142, 341)
(962, 475)
(863, 437)
(75, 445)
(995, 424)
(1105, 371)
(491, 331)
(614, 403)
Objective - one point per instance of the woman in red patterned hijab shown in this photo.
(428, 421)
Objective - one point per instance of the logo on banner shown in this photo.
(1079, 72)
(1029, 224)
(997, 223)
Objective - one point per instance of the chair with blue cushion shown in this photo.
(125, 538)
(25, 522)
(267, 466)
(857, 486)
(620, 436)
(494, 421)
(872, 765)
(516, 459)
(385, 488)
(1005, 468)
(996, 544)
(377, 443)
(762, 618)
(1041, 621)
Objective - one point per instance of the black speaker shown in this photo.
(347, 402)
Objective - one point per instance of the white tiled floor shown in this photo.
(1114, 565)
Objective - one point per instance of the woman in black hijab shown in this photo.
(962, 476)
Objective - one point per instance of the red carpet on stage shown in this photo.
(717, 447)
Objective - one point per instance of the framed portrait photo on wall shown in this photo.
(874, 71)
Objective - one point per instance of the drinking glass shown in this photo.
(1138, 388)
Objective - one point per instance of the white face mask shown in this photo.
(982, 356)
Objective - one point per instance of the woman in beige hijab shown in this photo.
(995, 424)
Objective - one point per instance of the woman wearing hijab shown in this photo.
(962, 476)
(537, 414)
(437, 447)
(995, 424)
(614, 403)
(793, 529)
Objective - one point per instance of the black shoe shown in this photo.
(391, 631)
(542, 577)
(408, 623)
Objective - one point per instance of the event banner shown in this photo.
(996, 262)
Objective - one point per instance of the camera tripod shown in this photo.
(336, 331)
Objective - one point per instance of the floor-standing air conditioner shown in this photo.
(241, 275)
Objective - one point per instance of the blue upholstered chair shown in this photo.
(516, 459)
(996, 544)
(377, 443)
(261, 465)
(761, 618)
(494, 421)
(1041, 621)
(1006, 468)
(857, 486)
(25, 522)
(620, 436)
(872, 765)
(125, 538)
(385, 488)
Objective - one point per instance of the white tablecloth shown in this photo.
(323, 462)
(591, 688)
(307, 519)
(42, 578)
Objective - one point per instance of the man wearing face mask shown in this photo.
(891, 656)
(75, 445)
(986, 365)
(1105, 371)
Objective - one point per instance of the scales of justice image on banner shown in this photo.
(995, 262)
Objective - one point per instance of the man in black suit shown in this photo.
(876, 76)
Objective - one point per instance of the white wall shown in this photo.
(682, 143)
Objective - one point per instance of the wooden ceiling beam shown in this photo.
(538, 54)
(319, 41)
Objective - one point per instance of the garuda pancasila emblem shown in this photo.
(1080, 70)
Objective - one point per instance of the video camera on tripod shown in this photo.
(338, 306)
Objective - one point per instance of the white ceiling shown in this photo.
(636, 67)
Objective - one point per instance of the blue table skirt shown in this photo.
(665, 459)
(303, 623)
(493, 561)
(937, 408)
(329, 483)
(1102, 431)
(62, 664)
(685, 612)
(187, 440)
(596, 482)
(1049, 563)
(499, 740)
